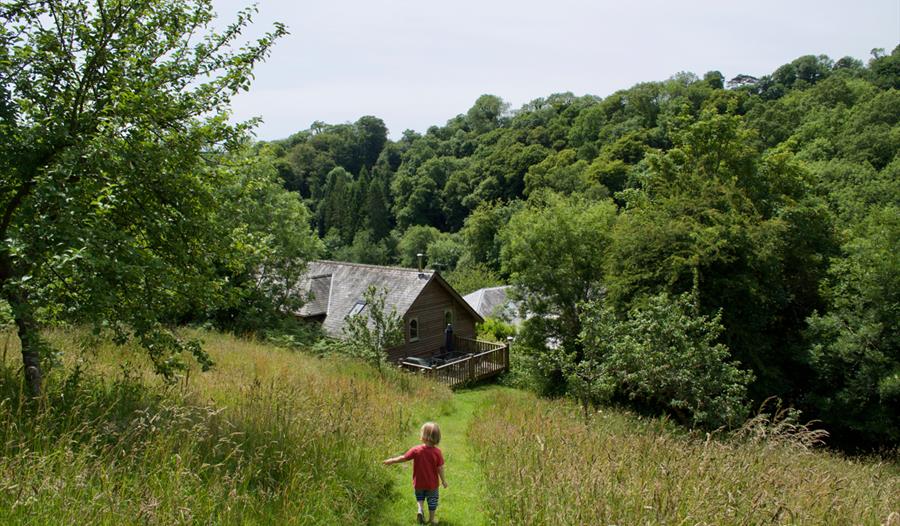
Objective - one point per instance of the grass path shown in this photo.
(462, 503)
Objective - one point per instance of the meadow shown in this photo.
(273, 436)
(549, 465)
(268, 436)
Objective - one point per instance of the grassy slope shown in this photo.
(547, 466)
(267, 437)
(271, 436)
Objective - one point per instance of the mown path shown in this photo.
(462, 504)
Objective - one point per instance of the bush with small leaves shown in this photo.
(662, 356)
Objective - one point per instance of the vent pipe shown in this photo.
(421, 257)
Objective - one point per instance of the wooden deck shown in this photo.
(479, 360)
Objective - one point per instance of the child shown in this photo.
(428, 466)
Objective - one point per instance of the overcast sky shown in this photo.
(417, 63)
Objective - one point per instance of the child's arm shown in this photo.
(441, 474)
(395, 460)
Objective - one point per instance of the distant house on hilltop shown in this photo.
(425, 302)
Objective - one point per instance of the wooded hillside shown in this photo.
(772, 202)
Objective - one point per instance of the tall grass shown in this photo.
(268, 437)
(271, 436)
(545, 465)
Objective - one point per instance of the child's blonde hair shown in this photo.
(431, 434)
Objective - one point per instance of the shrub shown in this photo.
(495, 330)
(374, 329)
(663, 356)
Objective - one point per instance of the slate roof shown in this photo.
(335, 288)
(495, 302)
(318, 288)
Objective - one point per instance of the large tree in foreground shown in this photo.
(113, 114)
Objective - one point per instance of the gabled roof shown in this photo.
(335, 288)
(439, 279)
(495, 302)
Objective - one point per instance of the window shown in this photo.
(413, 329)
(448, 317)
(356, 309)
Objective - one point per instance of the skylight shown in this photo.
(358, 308)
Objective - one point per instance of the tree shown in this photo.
(378, 214)
(848, 63)
(310, 168)
(500, 170)
(486, 113)
(714, 79)
(470, 277)
(336, 211)
(365, 249)
(415, 241)
(886, 68)
(480, 233)
(372, 136)
(269, 227)
(871, 132)
(374, 330)
(113, 112)
(553, 251)
(445, 251)
(418, 192)
(561, 172)
(662, 356)
(855, 345)
(715, 217)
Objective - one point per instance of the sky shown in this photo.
(418, 63)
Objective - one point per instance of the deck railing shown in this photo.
(480, 360)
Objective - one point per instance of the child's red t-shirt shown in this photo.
(426, 461)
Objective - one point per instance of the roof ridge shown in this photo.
(382, 267)
(485, 289)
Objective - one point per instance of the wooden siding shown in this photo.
(429, 309)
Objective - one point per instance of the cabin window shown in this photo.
(357, 308)
(413, 329)
(448, 317)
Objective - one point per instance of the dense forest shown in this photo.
(750, 228)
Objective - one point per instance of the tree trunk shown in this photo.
(31, 358)
(30, 338)
(29, 334)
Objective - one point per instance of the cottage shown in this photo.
(495, 302)
(425, 302)
(427, 305)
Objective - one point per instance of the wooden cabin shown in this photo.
(425, 302)
(422, 298)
